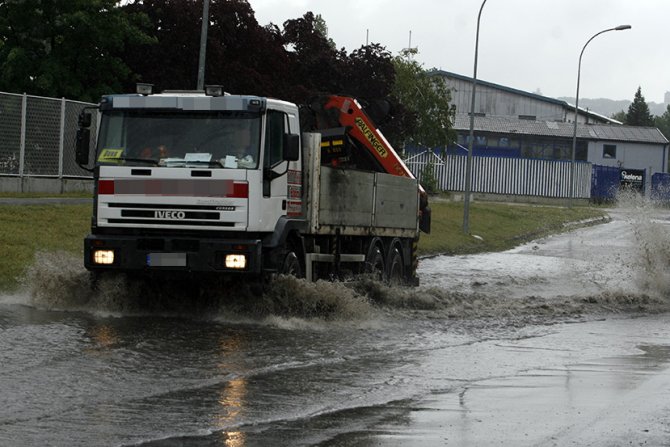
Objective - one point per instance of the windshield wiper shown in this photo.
(150, 161)
(210, 163)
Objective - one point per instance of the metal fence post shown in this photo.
(22, 147)
(61, 143)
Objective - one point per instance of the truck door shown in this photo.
(275, 178)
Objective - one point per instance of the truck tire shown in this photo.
(374, 261)
(395, 269)
(291, 265)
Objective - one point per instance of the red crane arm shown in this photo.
(352, 116)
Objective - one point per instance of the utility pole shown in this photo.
(203, 45)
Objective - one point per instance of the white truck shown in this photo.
(207, 183)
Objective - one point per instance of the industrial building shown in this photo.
(515, 124)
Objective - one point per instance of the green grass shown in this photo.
(27, 229)
(500, 226)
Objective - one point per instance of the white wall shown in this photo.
(650, 157)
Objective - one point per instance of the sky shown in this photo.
(530, 45)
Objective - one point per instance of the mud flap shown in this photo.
(424, 220)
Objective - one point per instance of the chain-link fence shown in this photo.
(37, 136)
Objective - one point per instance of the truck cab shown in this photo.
(191, 181)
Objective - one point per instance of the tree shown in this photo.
(241, 55)
(321, 26)
(619, 116)
(638, 112)
(82, 49)
(663, 122)
(428, 178)
(369, 73)
(426, 99)
(317, 66)
(70, 48)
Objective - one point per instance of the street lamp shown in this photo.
(468, 166)
(574, 130)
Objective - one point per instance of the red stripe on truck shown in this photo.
(175, 187)
(106, 187)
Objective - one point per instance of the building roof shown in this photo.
(595, 132)
(535, 96)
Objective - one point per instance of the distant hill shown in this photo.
(609, 107)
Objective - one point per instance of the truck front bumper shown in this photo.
(171, 254)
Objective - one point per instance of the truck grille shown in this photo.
(160, 214)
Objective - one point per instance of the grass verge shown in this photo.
(498, 226)
(28, 229)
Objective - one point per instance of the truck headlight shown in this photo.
(236, 261)
(103, 257)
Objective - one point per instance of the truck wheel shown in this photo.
(374, 262)
(291, 265)
(395, 268)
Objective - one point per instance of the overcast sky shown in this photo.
(523, 44)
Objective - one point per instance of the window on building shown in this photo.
(609, 151)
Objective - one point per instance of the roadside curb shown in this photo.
(587, 222)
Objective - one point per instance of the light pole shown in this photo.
(203, 45)
(468, 165)
(574, 130)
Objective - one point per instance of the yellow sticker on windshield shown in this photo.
(110, 155)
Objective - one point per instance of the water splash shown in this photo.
(652, 242)
(57, 280)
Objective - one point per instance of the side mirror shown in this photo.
(291, 147)
(82, 148)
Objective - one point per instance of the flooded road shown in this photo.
(564, 341)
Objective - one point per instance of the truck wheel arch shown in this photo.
(283, 229)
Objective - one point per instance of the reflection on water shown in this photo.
(233, 438)
(104, 336)
(232, 400)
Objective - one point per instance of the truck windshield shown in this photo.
(180, 139)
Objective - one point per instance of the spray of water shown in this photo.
(652, 242)
(57, 280)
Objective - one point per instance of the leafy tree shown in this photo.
(619, 116)
(638, 112)
(663, 122)
(370, 76)
(241, 55)
(316, 65)
(369, 73)
(70, 48)
(321, 26)
(82, 49)
(428, 178)
(426, 98)
(171, 60)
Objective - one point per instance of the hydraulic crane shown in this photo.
(351, 138)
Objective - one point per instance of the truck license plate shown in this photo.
(166, 259)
